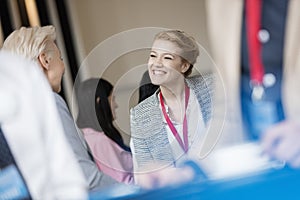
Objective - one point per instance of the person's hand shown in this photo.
(282, 142)
(156, 176)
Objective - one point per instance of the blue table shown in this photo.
(272, 184)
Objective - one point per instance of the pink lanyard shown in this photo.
(253, 17)
(184, 145)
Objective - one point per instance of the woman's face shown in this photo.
(165, 65)
(113, 105)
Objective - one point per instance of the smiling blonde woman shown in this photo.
(166, 126)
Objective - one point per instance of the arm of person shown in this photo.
(95, 178)
(141, 154)
(67, 178)
(111, 158)
(158, 176)
(281, 142)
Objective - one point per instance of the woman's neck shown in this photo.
(174, 98)
(172, 94)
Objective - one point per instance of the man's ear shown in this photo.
(44, 61)
(185, 67)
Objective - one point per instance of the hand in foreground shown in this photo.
(157, 176)
(282, 142)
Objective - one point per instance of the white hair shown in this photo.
(30, 42)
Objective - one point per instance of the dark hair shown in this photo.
(99, 109)
(146, 88)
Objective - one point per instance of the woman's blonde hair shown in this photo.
(188, 45)
(30, 42)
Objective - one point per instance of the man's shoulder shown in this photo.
(60, 102)
(58, 98)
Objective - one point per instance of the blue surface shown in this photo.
(275, 184)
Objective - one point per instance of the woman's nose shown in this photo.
(158, 62)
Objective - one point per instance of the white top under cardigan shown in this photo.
(196, 131)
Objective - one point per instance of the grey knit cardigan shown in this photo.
(148, 131)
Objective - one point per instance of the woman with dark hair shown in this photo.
(96, 114)
(105, 110)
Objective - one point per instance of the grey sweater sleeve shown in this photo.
(95, 178)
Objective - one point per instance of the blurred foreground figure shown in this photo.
(256, 46)
(34, 133)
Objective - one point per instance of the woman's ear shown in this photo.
(44, 61)
(185, 67)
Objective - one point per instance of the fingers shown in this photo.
(285, 150)
(295, 163)
(147, 180)
(164, 177)
(282, 142)
(272, 137)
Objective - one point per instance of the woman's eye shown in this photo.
(152, 55)
(168, 58)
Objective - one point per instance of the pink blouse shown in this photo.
(109, 156)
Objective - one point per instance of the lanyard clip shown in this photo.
(258, 92)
